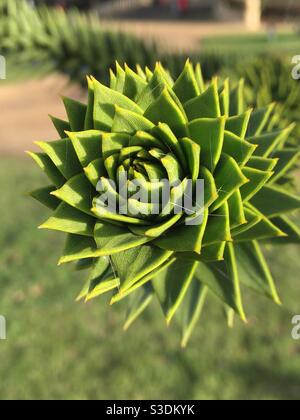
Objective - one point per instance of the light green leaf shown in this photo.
(238, 124)
(138, 302)
(186, 86)
(61, 126)
(89, 117)
(130, 122)
(233, 275)
(253, 270)
(258, 120)
(87, 145)
(274, 201)
(218, 226)
(47, 166)
(95, 171)
(76, 112)
(190, 311)
(192, 153)
(63, 155)
(165, 134)
(206, 105)
(236, 210)
(257, 180)
(68, 219)
(165, 110)
(105, 104)
(268, 142)
(287, 159)
(209, 135)
(43, 196)
(133, 264)
(227, 185)
(172, 284)
(133, 85)
(112, 239)
(77, 192)
(216, 277)
(237, 99)
(262, 164)
(237, 148)
(77, 248)
(184, 238)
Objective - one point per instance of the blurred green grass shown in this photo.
(57, 349)
(251, 45)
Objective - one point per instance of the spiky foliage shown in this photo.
(74, 42)
(151, 127)
(270, 79)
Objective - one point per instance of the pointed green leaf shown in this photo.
(254, 271)
(95, 171)
(218, 226)
(47, 166)
(76, 112)
(172, 284)
(236, 210)
(257, 180)
(227, 185)
(274, 201)
(262, 164)
(191, 309)
(142, 282)
(43, 195)
(186, 86)
(268, 142)
(192, 153)
(210, 189)
(61, 126)
(237, 148)
(68, 219)
(237, 99)
(77, 192)
(112, 239)
(133, 264)
(287, 159)
(258, 120)
(209, 134)
(130, 122)
(165, 134)
(213, 253)
(206, 105)
(134, 84)
(89, 117)
(87, 145)
(77, 248)
(156, 231)
(165, 110)
(106, 101)
(233, 275)
(218, 281)
(238, 124)
(63, 155)
(184, 238)
(138, 302)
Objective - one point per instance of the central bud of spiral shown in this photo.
(145, 179)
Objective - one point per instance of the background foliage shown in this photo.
(58, 349)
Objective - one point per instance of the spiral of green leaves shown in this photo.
(151, 127)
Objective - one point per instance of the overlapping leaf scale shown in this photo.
(150, 127)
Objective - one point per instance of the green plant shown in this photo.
(149, 127)
(74, 42)
(270, 79)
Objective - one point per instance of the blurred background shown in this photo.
(57, 349)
